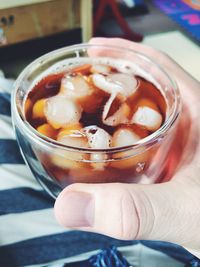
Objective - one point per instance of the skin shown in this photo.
(169, 211)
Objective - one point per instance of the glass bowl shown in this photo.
(55, 165)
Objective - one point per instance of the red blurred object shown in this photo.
(100, 13)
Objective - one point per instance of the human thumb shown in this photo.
(124, 211)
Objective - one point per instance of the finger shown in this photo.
(136, 62)
(141, 48)
(124, 211)
(161, 58)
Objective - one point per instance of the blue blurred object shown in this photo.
(186, 16)
(193, 263)
(109, 258)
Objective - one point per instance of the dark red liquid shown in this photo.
(92, 109)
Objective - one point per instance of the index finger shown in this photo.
(160, 57)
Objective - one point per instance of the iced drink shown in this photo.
(96, 106)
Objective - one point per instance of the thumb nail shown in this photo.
(75, 209)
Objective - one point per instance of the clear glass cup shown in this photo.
(55, 165)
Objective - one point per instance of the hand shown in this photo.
(169, 211)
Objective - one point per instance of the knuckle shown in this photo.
(137, 213)
(128, 216)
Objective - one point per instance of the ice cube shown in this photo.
(82, 91)
(70, 136)
(104, 84)
(124, 137)
(127, 159)
(75, 87)
(61, 111)
(97, 139)
(116, 83)
(128, 82)
(120, 116)
(147, 117)
(100, 68)
(75, 139)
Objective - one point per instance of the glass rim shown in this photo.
(142, 143)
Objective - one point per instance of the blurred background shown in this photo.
(29, 28)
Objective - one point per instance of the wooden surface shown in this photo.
(46, 18)
(15, 3)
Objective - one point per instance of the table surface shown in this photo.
(180, 48)
(14, 3)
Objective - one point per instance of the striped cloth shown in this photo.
(29, 234)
